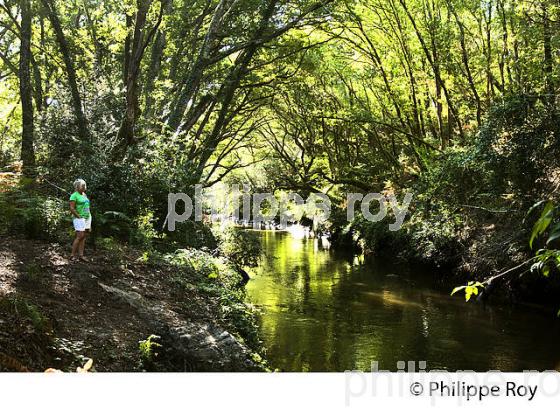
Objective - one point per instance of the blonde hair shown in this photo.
(78, 183)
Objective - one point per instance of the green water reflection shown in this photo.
(326, 311)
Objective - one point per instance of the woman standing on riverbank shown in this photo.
(79, 207)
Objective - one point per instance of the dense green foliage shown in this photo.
(214, 277)
(241, 247)
(547, 257)
(452, 100)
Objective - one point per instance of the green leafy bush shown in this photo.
(240, 246)
(435, 239)
(191, 234)
(34, 215)
(149, 350)
(216, 278)
(547, 226)
(516, 144)
(375, 237)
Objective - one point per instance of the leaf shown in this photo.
(536, 266)
(468, 292)
(542, 223)
(555, 234)
(457, 289)
(535, 206)
(117, 215)
(471, 288)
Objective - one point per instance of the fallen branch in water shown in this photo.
(499, 211)
(490, 279)
(471, 288)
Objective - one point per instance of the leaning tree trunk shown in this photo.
(465, 58)
(434, 64)
(134, 52)
(155, 61)
(193, 78)
(26, 92)
(230, 86)
(548, 59)
(70, 69)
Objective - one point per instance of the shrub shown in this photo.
(240, 246)
(34, 215)
(435, 239)
(149, 350)
(191, 234)
(375, 237)
(516, 143)
(216, 278)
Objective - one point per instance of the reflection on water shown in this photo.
(326, 311)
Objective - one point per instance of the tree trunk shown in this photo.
(437, 74)
(435, 68)
(229, 87)
(192, 80)
(489, 75)
(26, 92)
(70, 69)
(504, 60)
(547, 39)
(155, 62)
(133, 60)
(465, 58)
(37, 85)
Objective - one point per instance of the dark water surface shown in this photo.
(327, 311)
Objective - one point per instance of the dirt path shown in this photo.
(57, 313)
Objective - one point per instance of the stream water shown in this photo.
(322, 310)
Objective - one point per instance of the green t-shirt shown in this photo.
(82, 204)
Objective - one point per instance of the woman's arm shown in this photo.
(73, 209)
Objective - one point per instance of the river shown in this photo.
(323, 310)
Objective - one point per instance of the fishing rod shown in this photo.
(54, 185)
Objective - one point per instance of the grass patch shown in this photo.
(25, 310)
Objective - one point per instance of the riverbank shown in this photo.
(470, 244)
(58, 314)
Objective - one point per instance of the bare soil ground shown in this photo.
(55, 314)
